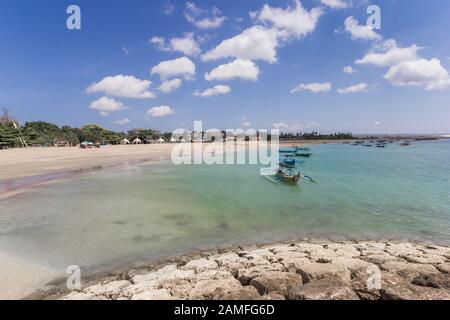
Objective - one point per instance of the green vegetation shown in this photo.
(316, 136)
(40, 133)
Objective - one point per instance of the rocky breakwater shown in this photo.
(299, 271)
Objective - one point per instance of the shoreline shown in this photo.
(50, 165)
(319, 268)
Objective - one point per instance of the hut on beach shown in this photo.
(137, 141)
(173, 140)
(161, 140)
(125, 141)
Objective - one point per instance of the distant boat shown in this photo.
(303, 154)
(367, 145)
(405, 144)
(380, 145)
(288, 150)
(302, 148)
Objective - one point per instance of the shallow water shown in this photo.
(131, 214)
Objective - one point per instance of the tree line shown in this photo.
(41, 133)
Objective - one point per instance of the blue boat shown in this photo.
(288, 150)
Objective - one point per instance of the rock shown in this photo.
(409, 270)
(200, 265)
(292, 260)
(230, 262)
(402, 249)
(277, 282)
(272, 296)
(425, 258)
(438, 281)
(141, 287)
(212, 275)
(313, 271)
(368, 247)
(79, 296)
(161, 294)
(167, 273)
(381, 258)
(366, 287)
(245, 275)
(309, 247)
(214, 289)
(283, 248)
(329, 288)
(108, 290)
(444, 267)
(354, 265)
(413, 292)
(323, 255)
(244, 293)
(256, 254)
(344, 250)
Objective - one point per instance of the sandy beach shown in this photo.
(21, 162)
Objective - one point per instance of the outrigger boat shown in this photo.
(289, 162)
(302, 148)
(303, 154)
(290, 176)
(288, 150)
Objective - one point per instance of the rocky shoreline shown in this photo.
(308, 270)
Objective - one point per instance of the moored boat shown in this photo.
(303, 154)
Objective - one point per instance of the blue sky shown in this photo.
(255, 53)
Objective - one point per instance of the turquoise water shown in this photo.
(131, 214)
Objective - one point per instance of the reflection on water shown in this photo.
(129, 214)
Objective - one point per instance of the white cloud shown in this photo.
(376, 123)
(240, 69)
(161, 111)
(187, 44)
(170, 85)
(123, 122)
(292, 21)
(126, 51)
(360, 32)
(335, 4)
(255, 43)
(173, 68)
(421, 72)
(349, 70)
(216, 90)
(246, 124)
(280, 125)
(106, 105)
(406, 68)
(389, 54)
(362, 87)
(122, 86)
(260, 42)
(203, 19)
(313, 87)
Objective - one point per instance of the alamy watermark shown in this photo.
(232, 146)
(74, 277)
(73, 21)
